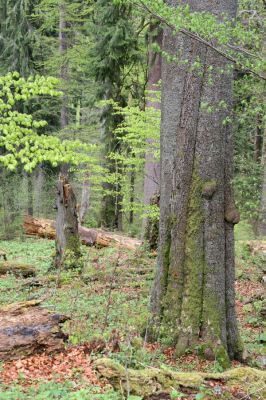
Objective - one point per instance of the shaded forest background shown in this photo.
(106, 51)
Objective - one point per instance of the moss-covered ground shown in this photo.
(107, 303)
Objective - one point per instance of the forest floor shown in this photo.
(107, 305)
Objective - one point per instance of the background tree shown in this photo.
(152, 165)
(115, 51)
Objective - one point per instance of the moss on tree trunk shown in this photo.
(68, 254)
(193, 299)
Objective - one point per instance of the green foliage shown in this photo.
(207, 26)
(53, 390)
(247, 184)
(17, 37)
(19, 137)
(138, 135)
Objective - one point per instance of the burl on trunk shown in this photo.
(193, 299)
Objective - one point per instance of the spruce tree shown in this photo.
(115, 48)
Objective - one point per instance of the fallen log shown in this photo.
(26, 328)
(45, 228)
(12, 267)
(151, 381)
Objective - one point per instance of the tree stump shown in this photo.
(68, 254)
(26, 328)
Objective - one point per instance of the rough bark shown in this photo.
(152, 166)
(155, 381)
(27, 328)
(193, 294)
(45, 228)
(68, 253)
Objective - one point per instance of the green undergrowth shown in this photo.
(53, 390)
(108, 300)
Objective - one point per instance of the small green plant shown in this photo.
(174, 395)
(204, 394)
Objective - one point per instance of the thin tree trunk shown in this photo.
(261, 225)
(39, 181)
(152, 166)
(132, 193)
(111, 212)
(258, 142)
(193, 295)
(85, 198)
(63, 72)
(30, 194)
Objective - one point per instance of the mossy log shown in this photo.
(13, 267)
(26, 329)
(45, 228)
(148, 382)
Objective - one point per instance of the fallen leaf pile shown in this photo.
(73, 363)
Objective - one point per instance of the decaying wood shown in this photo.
(45, 228)
(16, 269)
(26, 328)
(148, 382)
(68, 254)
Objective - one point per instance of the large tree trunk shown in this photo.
(45, 228)
(152, 166)
(193, 295)
(68, 253)
(27, 328)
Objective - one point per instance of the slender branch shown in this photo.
(199, 39)
(237, 48)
